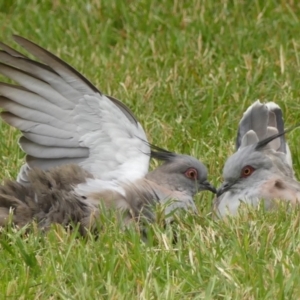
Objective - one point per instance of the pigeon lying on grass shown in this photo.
(83, 148)
(262, 166)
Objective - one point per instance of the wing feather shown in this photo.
(65, 119)
(42, 72)
(263, 119)
(67, 73)
(255, 118)
(37, 86)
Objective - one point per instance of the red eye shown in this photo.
(191, 173)
(247, 171)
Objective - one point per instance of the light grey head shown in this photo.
(252, 165)
(244, 169)
(179, 172)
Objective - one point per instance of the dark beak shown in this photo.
(223, 188)
(207, 186)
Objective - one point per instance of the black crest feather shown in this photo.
(269, 139)
(159, 153)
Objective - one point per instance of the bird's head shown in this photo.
(179, 172)
(244, 168)
(252, 164)
(247, 171)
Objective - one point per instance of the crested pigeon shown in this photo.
(261, 168)
(65, 120)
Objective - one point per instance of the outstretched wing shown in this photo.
(65, 119)
(259, 122)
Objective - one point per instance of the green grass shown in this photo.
(188, 70)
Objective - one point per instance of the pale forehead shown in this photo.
(193, 162)
(240, 159)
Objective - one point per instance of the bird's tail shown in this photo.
(17, 204)
(47, 199)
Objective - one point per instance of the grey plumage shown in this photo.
(64, 120)
(173, 174)
(261, 169)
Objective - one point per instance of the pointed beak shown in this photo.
(207, 186)
(223, 188)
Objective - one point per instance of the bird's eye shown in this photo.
(191, 173)
(247, 171)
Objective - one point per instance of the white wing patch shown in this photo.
(117, 148)
(97, 186)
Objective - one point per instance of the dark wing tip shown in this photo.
(42, 54)
(26, 43)
(269, 139)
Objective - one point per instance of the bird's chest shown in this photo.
(269, 190)
(231, 200)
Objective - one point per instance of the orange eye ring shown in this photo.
(247, 171)
(191, 173)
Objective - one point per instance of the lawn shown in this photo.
(188, 70)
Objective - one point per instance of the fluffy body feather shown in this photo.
(261, 169)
